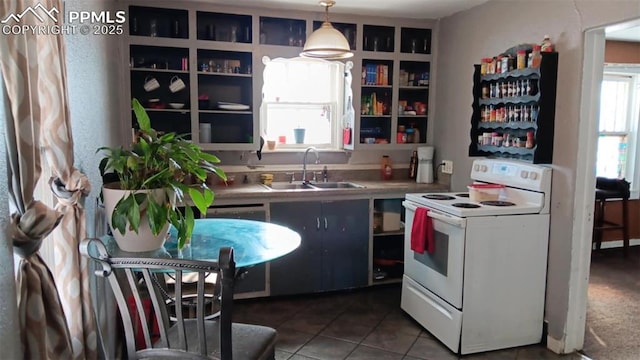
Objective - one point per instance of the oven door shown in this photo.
(440, 272)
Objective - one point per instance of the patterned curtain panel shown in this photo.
(33, 66)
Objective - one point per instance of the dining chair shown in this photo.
(153, 318)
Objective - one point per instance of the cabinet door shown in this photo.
(298, 272)
(345, 244)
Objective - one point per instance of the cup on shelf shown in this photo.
(150, 84)
(271, 144)
(176, 84)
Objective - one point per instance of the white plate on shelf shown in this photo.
(232, 106)
(176, 105)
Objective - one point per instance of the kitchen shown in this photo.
(96, 103)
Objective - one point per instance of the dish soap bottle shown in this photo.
(385, 168)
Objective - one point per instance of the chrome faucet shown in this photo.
(304, 162)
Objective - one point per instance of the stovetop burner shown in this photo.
(463, 195)
(497, 203)
(466, 205)
(438, 197)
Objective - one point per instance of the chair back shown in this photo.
(152, 313)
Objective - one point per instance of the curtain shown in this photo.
(35, 76)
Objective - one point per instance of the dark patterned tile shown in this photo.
(390, 340)
(345, 329)
(400, 321)
(367, 353)
(311, 323)
(431, 349)
(325, 348)
(283, 355)
(301, 357)
(366, 315)
(291, 340)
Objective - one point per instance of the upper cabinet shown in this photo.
(514, 109)
(282, 31)
(223, 27)
(198, 71)
(394, 86)
(158, 22)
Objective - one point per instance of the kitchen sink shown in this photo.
(338, 185)
(285, 186)
(289, 186)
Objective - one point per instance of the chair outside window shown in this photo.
(154, 318)
(607, 190)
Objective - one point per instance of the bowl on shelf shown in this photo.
(176, 105)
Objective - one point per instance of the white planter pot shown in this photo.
(143, 240)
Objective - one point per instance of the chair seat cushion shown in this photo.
(249, 342)
(609, 188)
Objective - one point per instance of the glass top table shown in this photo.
(253, 242)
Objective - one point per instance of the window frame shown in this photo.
(337, 106)
(630, 73)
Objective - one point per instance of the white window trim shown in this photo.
(337, 113)
(633, 121)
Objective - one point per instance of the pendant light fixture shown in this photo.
(326, 42)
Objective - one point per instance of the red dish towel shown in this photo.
(422, 232)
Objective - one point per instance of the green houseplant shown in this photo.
(150, 178)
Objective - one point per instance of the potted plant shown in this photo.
(151, 176)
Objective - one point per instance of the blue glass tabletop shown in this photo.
(253, 242)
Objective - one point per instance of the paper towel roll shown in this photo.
(205, 133)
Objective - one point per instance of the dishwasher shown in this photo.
(252, 281)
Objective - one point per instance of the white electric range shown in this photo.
(483, 286)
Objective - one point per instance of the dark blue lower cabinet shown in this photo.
(333, 254)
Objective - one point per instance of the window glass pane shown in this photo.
(612, 156)
(614, 104)
(302, 93)
(314, 118)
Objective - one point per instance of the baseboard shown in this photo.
(618, 243)
(557, 346)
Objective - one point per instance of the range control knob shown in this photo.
(476, 167)
(484, 168)
(533, 175)
(524, 174)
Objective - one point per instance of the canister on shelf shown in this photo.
(521, 59)
(483, 66)
(529, 142)
(505, 64)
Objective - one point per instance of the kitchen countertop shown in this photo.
(371, 188)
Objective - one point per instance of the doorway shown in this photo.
(593, 68)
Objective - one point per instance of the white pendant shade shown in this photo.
(327, 42)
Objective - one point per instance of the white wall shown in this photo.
(487, 30)
(94, 78)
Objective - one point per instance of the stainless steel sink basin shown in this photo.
(285, 186)
(289, 186)
(338, 185)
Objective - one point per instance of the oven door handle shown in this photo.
(437, 215)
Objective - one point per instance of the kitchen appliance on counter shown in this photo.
(425, 165)
(482, 286)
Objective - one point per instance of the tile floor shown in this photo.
(362, 324)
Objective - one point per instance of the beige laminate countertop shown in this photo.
(228, 194)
